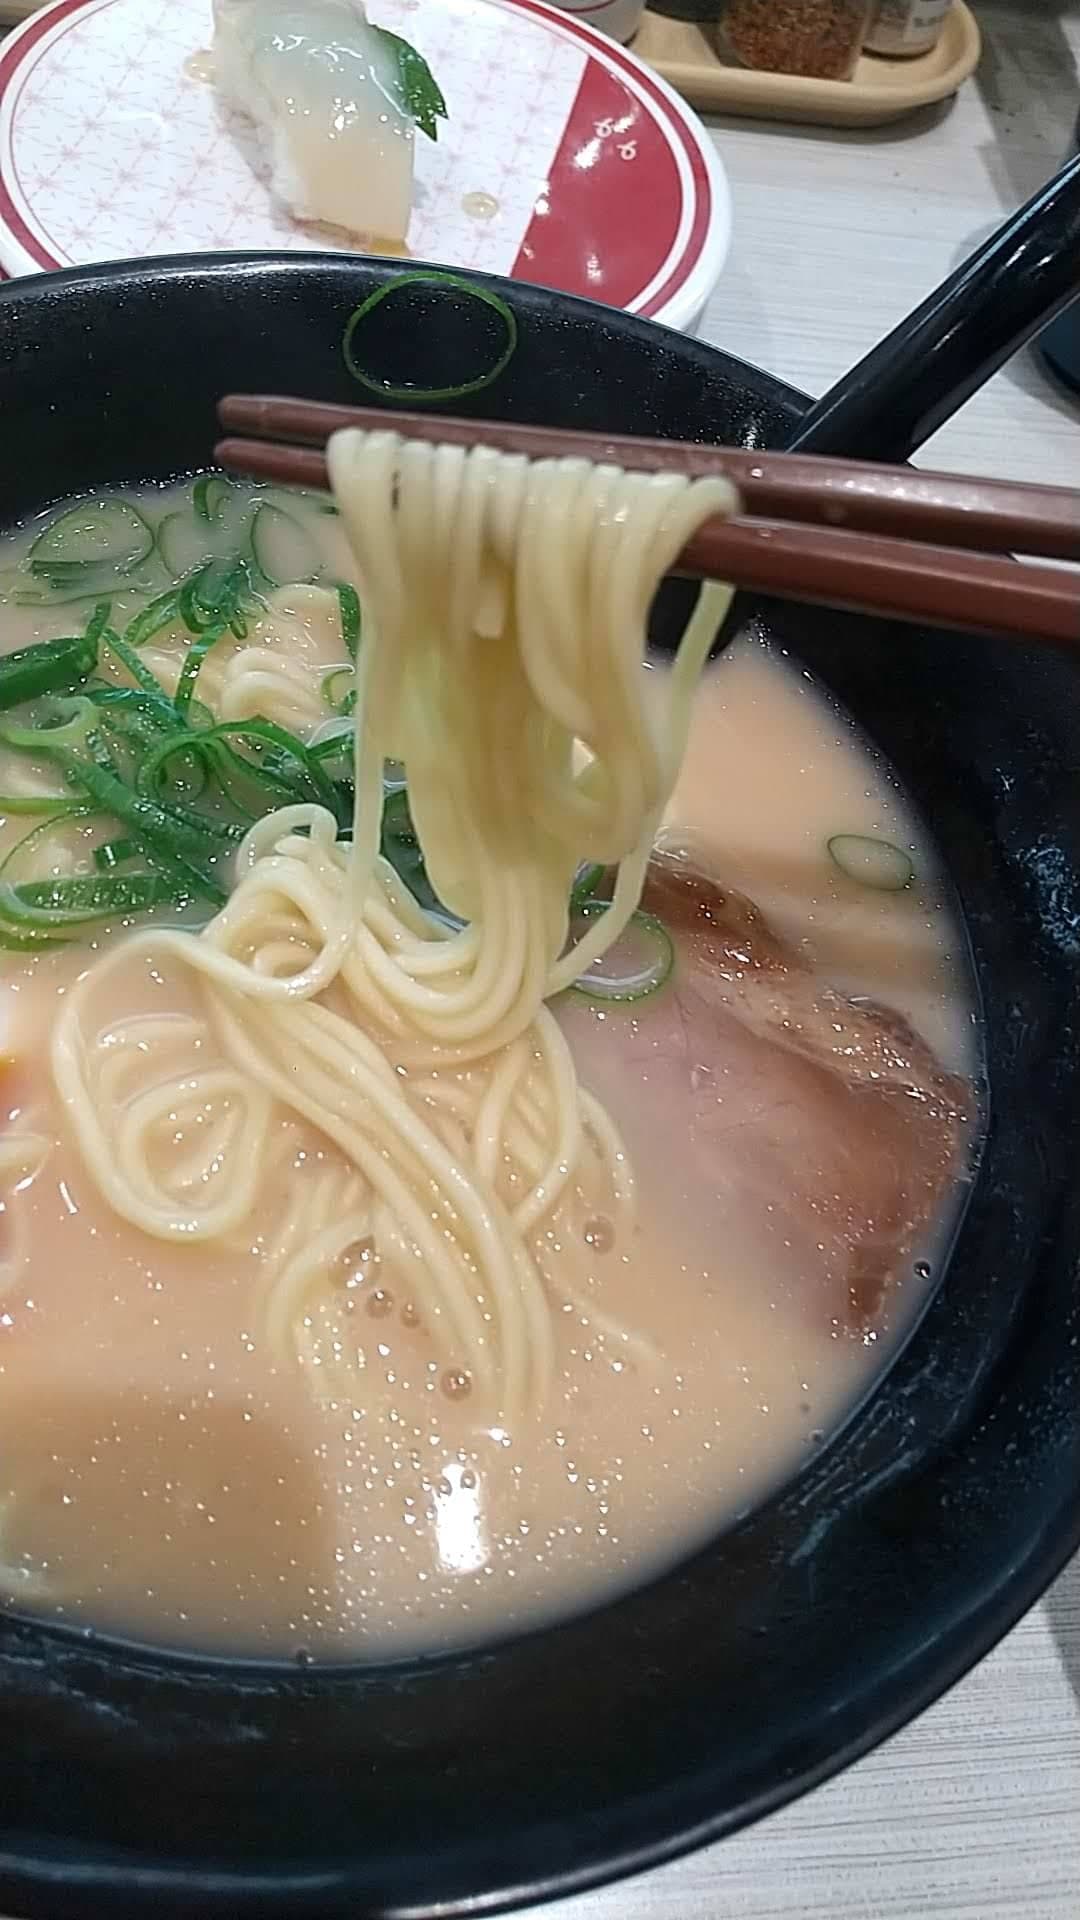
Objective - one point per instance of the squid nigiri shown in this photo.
(338, 101)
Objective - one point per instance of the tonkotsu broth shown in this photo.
(163, 1476)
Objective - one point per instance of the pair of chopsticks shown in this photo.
(871, 539)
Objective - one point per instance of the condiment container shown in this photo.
(820, 38)
(906, 27)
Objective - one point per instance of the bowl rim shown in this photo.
(912, 1684)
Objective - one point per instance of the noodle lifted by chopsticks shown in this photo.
(505, 605)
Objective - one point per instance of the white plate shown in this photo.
(594, 176)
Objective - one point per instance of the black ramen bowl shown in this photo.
(136, 1783)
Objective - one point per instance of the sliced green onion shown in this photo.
(288, 766)
(220, 587)
(147, 682)
(153, 618)
(400, 846)
(97, 622)
(284, 550)
(190, 613)
(133, 758)
(47, 804)
(88, 585)
(193, 745)
(173, 844)
(134, 708)
(333, 743)
(115, 853)
(45, 906)
(349, 607)
(200, 755)
(588, 879)
(48, 666)
(429, 396)
(871, 863)
(638, 964)
(216, 534)
(101, 752)
(14, 942)
(224, 834)
(193, 660)
(209, 495)
(96, 534)
(213, 593)
(339, 690)
(184, 543)
(189, 780)
(227, 833)
(71, 728)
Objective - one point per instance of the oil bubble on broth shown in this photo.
(798, 1108)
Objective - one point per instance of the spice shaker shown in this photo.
(819, 38)
(906, 27)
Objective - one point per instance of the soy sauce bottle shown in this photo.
(1060, 343)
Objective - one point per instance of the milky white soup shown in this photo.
(800, 1157)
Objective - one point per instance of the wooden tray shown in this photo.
(685, 54)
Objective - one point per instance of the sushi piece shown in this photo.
(338, 101)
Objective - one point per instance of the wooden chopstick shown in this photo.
(842, 533)
(999, 516)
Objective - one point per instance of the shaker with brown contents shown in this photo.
(820, 38)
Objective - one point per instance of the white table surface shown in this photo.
(973, 1812)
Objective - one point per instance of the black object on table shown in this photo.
(1060, 344)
